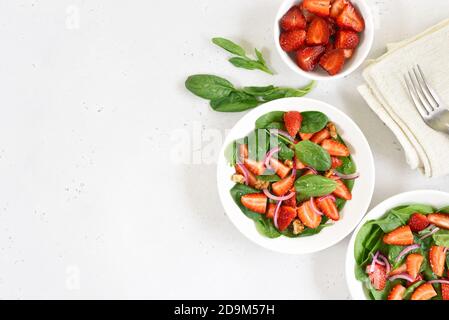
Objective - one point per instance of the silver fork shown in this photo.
(429, 105)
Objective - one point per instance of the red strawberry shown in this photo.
(243, 151)
(401, 269)
(418, 222)
(351, 18)
(299, 165)
(309, 172)
(293, 121)
(321, 136)
(333, 61)
(342, 191)
(336, 162)
(271, 210)
(397, 293)
(401, 236)
(252, 179)
(437, 258)
(306, 136)
(293, 19)
(346, 39)
(308, 58)
(307, 15)
(348, 53)
(335, 148)
(337, 8)
(329, 208)
(281, 169)
(308, 217)
(318, 32)
(445, 291)
(256, 167)
(292, 201)
(256, 202)
(285, 217)
(318, 7)
(439, 219)
(424, 292)
(332, 27)
(378, 277)
(292, 40)
(281, 187)
(413, 264)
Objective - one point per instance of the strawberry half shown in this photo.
(285, 217)
(256, 167)
(397, 293)
(256, 202)
(329, 208)
(292, 201)
(378, 277)
(299, 165)
(437, 258)
(308, 58)
(293, 121)
(347, 39)
(252, 179)
(424, 292)
(292, 40)
(342, 191)
(351, 18)
(318, 32)
(293, 19)
(418, 222)
(281, 169)
(401, 236)
(243, 151)
(401, 269)
(413, 264)
(445, 291)
(306, 136)
(271, 210)
(336, 162)
(333, 61)
(321, 136)
(337, 8)
(308, 217)
(283, 186)
(335, 148)
(318, 7)
(439, 219)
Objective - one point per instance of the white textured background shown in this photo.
(91, 205)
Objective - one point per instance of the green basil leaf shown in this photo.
(234, 102)
(441, 238)
(313, 155)
(313, 121)
(264, 121)
(315, 186)
(229, 46)
(209, 86)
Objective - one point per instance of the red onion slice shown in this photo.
(373, 263)
(281, 132)
(386, 262)
(327, 197)
(270, 155)
(442, 281)
(429, 228)
(312, 169)
(314, 208)
(403, 276)
(407, 250)
(283, 198)
(276, 214)
(244, 171)
(434, 230)
(347, 176)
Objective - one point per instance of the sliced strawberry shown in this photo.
(346, 39)
(437, 258)
(333, 61)
(271, 210)
(281, 169)
(306, 136)
(418, 278)
(321, 136)
(342, 191)
(256, 167)
(378, 277)
(252, 179)
(445, 291)
(401, 269)
(318, 7)
(397, 293)
(337, 8)
(318, 32)
(401, 236)
(292, 201)
(309, 16)
(332, 27)
(308, 58)
(351, 18)
(293, 121)
(329, 47)
(285, 217)
(292, 40)
(439, 219)
(424, 292)
(256, 202)
(283, 186)
(329, 208)
(348, 53)
(336, 162)
(299, 165)
(418, 222)
(308, 217)
(293, 19)
(413, 264)
(243, 151)
(335, 148)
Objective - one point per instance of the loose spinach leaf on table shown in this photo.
(209, 86)
(313, 121)
(229, 46)
(315, 186)
(313, 155)
(234, 102)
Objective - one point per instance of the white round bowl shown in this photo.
(354, 209)
(434, 198)
(360, 54)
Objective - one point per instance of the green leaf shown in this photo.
(269, 178)
(313, 121)
(274, 116)
(285, 153)
(260, 57)
(258, 91)
(248, 64)
(313, 155)
(229, 46)
(231, 153)
(266, 228)
(444, 210)
(408, 293)
(315, 186)
(441, 238)
(234, 102)
(258, 144)
(209, 86)
(280, 93)
(237, 192)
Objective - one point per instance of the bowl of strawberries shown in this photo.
(324, 39)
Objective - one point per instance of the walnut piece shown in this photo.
(238, 178)
(332, 130)
(288, 163)
(298, 227)
(261, 185)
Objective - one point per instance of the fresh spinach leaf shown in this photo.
(264, 121)
(258, 91)
(441, 238)
(266, 228)
(408, 293)
(248, 64)
(234, 102)
(313, 155)
(315, 186)
(209, 86)
(229, 46)
(231, 153)
(269, 178)
(285, 153)
(313, 121)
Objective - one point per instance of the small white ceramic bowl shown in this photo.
(360, 54)
(437, 199)
(354, 209)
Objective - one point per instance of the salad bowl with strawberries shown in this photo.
(289, 175)
(324, 39)
(399, 252)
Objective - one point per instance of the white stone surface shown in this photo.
(91, 206)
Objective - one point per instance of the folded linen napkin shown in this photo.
(386, 93)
